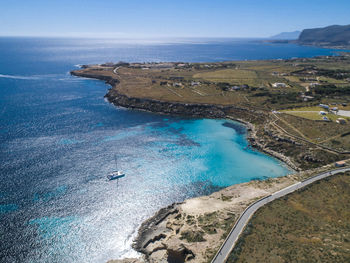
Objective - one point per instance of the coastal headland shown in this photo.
(281, 102)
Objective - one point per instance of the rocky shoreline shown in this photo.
(166, 236)
(156, 106)
(192, 231)
(195, 110)
(188, 110)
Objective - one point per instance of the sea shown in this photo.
(59, 138)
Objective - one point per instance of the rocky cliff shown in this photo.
(331, 36)
(152, 105)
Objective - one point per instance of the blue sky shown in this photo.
(177, 18)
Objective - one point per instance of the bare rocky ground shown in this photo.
(194, 230)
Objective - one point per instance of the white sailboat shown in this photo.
(115, 174)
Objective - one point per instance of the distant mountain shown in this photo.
(287, 35)
(327, 36)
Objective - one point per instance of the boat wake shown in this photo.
(19, 77)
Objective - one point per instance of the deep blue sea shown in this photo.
(59, 136)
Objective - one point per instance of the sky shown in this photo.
(162, 18)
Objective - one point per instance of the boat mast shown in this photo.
(116, 163)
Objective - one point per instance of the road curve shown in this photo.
(238, 228)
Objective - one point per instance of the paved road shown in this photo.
(238, 228)
(345, 113)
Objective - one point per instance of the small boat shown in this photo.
(115, 174)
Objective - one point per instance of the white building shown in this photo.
(177, 84)
(324, 106)
(279, 85)
(341, 121)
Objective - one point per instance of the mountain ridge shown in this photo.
(287, 35)
(335, 35)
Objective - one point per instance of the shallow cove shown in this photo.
(76, 215)
(58, 140)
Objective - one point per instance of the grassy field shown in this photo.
(313, 112)
(316, 131)
(311, 225)
(138, 83)
(312, 115)
(144, 80)
(233, 76)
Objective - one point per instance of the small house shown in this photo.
(334, 109)
(340, 164)
(341, 121)
(235, 88)
(324, 106)
(177, 84)
(279, 85)
(195, 83)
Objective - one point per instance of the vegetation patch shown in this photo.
(193, 236)
(311, 225)
(226, 198)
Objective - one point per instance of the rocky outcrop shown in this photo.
(259, 143)
(109, 80)
(170, 235)
(164, 107)
(156, 106)
(152, 235)
(332, 36)
(179, 253)
(150, 231)
(126, 260)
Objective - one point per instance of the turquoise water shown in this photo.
(218, 154)
(58, 138)
(165, 160)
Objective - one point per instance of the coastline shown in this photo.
(159, 236)
(196, 111)
(189, 110)
(254, 142)
(171, 233)
(305, 44)
(162, 235)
